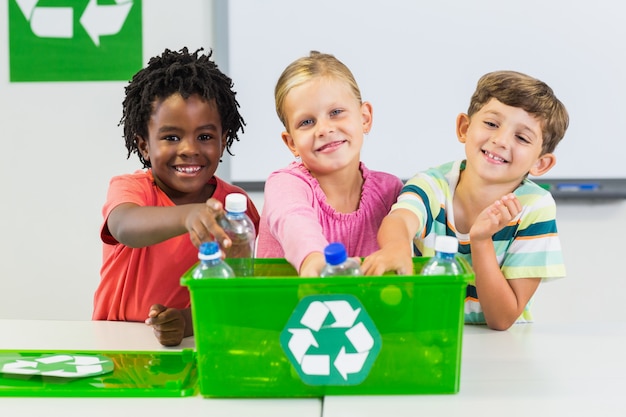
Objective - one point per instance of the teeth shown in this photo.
(187, 170)
(494, 157)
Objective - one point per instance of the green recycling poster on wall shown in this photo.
(74, 40)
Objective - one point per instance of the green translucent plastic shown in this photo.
(135, 374)
(238, 322)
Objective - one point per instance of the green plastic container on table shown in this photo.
(279, 335)
(33, 373)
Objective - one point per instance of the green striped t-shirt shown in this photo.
(527, 247)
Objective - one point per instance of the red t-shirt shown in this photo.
(133, 279)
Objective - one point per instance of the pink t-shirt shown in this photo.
(133, 279)
(296, 219)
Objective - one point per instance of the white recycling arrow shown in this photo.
(99, 20)
(48, 22)
(55, 359)
(349, 363)
(300, 342)
(343, 313)
(62, 366)
(58, 22)
(20, 367)
(85, 360)
(85, 365)
(314, 316)
(316, 364)
(360, 338)
(80, 371)
(27, 7)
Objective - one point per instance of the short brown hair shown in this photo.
(530, 94)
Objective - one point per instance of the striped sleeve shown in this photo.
(427, 195)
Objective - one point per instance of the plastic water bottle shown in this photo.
(338, 263)
(211, 264)
(444, 261)
(240, 229)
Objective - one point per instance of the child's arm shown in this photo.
(292, 220)
(170, 325)
(395, 238)
(138, 226)
(501, 300)
(312, 265)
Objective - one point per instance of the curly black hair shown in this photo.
(184, 73)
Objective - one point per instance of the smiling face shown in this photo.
(325, 125)
(184, 145)
(503, 143)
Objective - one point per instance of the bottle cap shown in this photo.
(208, 251)
(236, 203)
(335, 253)
(446, 244)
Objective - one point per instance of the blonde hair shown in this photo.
(530, 94)
(304, 69)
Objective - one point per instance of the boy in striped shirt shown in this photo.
(505, 223)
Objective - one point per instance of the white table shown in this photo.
(111, 336)
(529, 370)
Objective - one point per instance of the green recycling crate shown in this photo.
(279, 335)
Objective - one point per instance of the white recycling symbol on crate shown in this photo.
(58, 22)
(58, 365)
(331, 340)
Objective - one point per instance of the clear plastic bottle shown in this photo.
(338, 263)
(211, 264)
(444, 262)
(240, 229)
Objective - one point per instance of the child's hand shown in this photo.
(312, 265)
(168, 324)
(495, 217)
(201, 222)
(315, 262)
(390, 258)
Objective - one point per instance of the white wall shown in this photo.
(418, 62)
(62, 144)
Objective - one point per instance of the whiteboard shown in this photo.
(418, 62)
